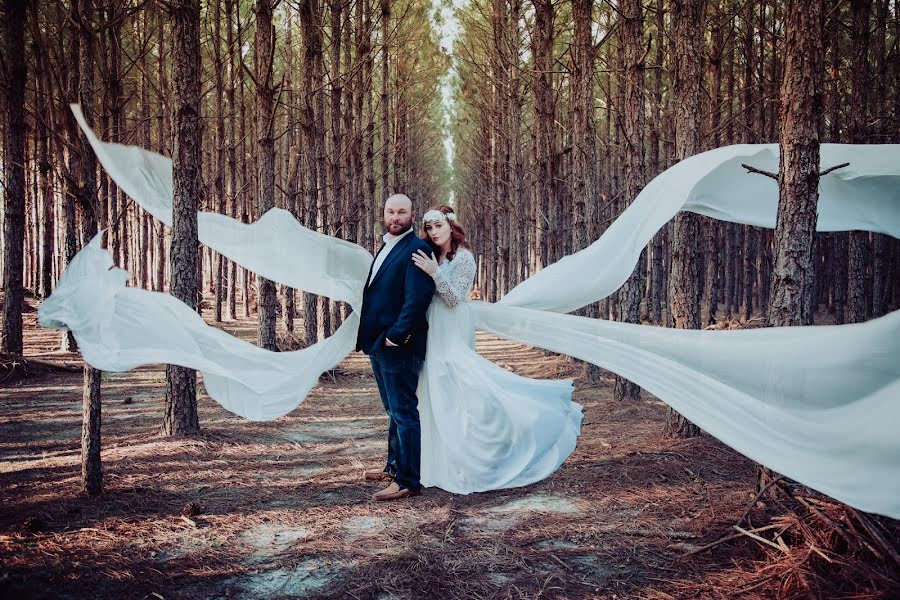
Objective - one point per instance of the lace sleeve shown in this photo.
(454, 286)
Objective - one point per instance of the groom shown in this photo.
(392, 331)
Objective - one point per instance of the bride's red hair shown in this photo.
(457, 233)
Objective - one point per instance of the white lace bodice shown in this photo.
(454, 278)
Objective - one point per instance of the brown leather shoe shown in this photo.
(377, 476)
(395, 492)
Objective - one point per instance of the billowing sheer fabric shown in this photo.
(818, 404)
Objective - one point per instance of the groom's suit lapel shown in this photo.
(390, 258)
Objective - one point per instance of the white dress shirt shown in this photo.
(389, 242)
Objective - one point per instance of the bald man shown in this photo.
(393, 332)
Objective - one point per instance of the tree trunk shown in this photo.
(72, 166)
(44, 168)
(353, 122)
(514, 44)
(544, 146)
(240, 207)
(219, 266)
(857, 304)
(146, 141)
(312, 50)
(881, 243)
(119, 226)
(373, 217)
(14, 177)
(761, 72)
(584, 134)
(323, 223)
(337, 225)
(657, 299)
(91, 468)
(729, 258)
(798, 178)
(633, 161)
(263, 57)
(291, 163)
(165, 147)
(710, 226)
(233, 62)
(181, 383)
(385, 113)
(684, 284)
(337, 221)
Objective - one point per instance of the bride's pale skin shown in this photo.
(440, 234)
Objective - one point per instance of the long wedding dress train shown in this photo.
(483, 427)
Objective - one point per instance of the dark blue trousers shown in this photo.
(397, 375)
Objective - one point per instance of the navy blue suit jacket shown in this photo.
(395, 302)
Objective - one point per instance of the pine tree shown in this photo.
(181, 383)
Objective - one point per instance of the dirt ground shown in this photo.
(284, 512)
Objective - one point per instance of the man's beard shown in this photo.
(401, 227)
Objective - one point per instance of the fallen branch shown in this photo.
(820, 553)
(836, 527)
(728, 538)
(564, 565)
(189, 521)
(14, 367)
(885, 546)
(759, 538)
(756, 499)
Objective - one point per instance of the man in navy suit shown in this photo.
(393, 332)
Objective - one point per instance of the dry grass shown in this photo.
(275, 510)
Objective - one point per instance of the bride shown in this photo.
(483, 427)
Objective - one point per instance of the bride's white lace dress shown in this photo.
(483, 427)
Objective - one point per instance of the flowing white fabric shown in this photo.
(119, 328)
(484, 428)
(864, 195)
(819, 404)
(276, 246)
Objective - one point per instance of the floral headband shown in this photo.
(436, 215)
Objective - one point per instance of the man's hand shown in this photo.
(389, 343)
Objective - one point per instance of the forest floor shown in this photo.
(285, 513)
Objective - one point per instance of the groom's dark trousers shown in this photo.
(394, 305)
